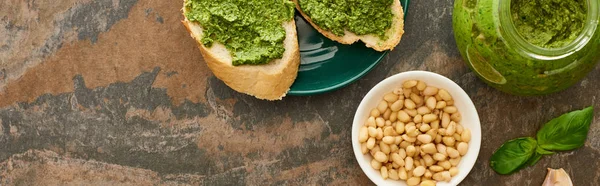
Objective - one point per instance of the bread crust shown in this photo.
(372, 41)
(270, 81)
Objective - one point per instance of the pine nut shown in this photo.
(402, 153)
(408, 163)
(438, 176)
(445, 120)
(451, 129)
(427, 183)
(462, 148)
(370, 143)
(444, 95)
(419, 171)
(363, 148)
(389, 139)
(371, 122)
(409, 104)
(452, 153)
(379, 134)
(411, 150)
(424, 138)
(448, 141)
(397, 159)
(438, 138)
(405, 144)
(429, 148)
(435, 124)
(428, 118)
(450, 109)
(457, 136)
(453, 171)
(390, 97)
(454, 161)
(409, 138)
(394, 117)
(403, 116)
(380, 157)
(384, 173)
(423, 110)
(456, 117)
(441, 148)
(432, 132)
(411, 112)
(425, 128)
(372, 131)
(418, 100)
(421, 85)
(386, 114)
(450, 103)
(374, 150)
(382, 106)
(409, 84)
(385, 148)
(389, 131)
(436, 168)
(393, 148)
(402, 173)
(466, 135)
(447, 176)
(397, 91)
(430, 91)
(446, 164)
(418, 118)
(399, 127)
(380, 121)
(398, 140)
(396, 106)
(375, 113)
(413, 181)
(428, 160)
(393, 174)
(407, 92)
(428, 174)
(440, 104)
(439, 157)
(363, 134)
(375, 164)
(430, 103)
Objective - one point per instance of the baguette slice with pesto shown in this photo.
(270, 81)
(386, 40)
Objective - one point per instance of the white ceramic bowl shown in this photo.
(470, 120)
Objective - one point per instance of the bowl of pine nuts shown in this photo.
(416, 128)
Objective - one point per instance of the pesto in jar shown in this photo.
(549, 23)
(251, 30)
(361, 17)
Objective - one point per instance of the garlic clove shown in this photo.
(557, 177)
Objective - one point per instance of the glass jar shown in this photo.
(492, 47)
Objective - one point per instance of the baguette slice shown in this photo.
(269, 81)
(372, 41)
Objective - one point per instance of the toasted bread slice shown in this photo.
(372, 41)
(269, 81)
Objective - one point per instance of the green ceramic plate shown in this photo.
(327, 65)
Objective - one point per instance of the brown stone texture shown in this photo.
(115, 92)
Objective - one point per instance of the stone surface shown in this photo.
(115, 92)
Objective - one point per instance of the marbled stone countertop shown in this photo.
(116, 92)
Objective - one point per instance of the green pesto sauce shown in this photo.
(358, 16)
(549, 23)
(250, 29)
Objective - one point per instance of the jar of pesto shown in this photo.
(528, 47)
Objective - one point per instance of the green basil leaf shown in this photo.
(566, 132)
(512, 155)
(533, 160)
(543, 151)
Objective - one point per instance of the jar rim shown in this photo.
(513, 38)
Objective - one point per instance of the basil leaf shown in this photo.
(566, 132)
(533, 160)
(512, 155)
